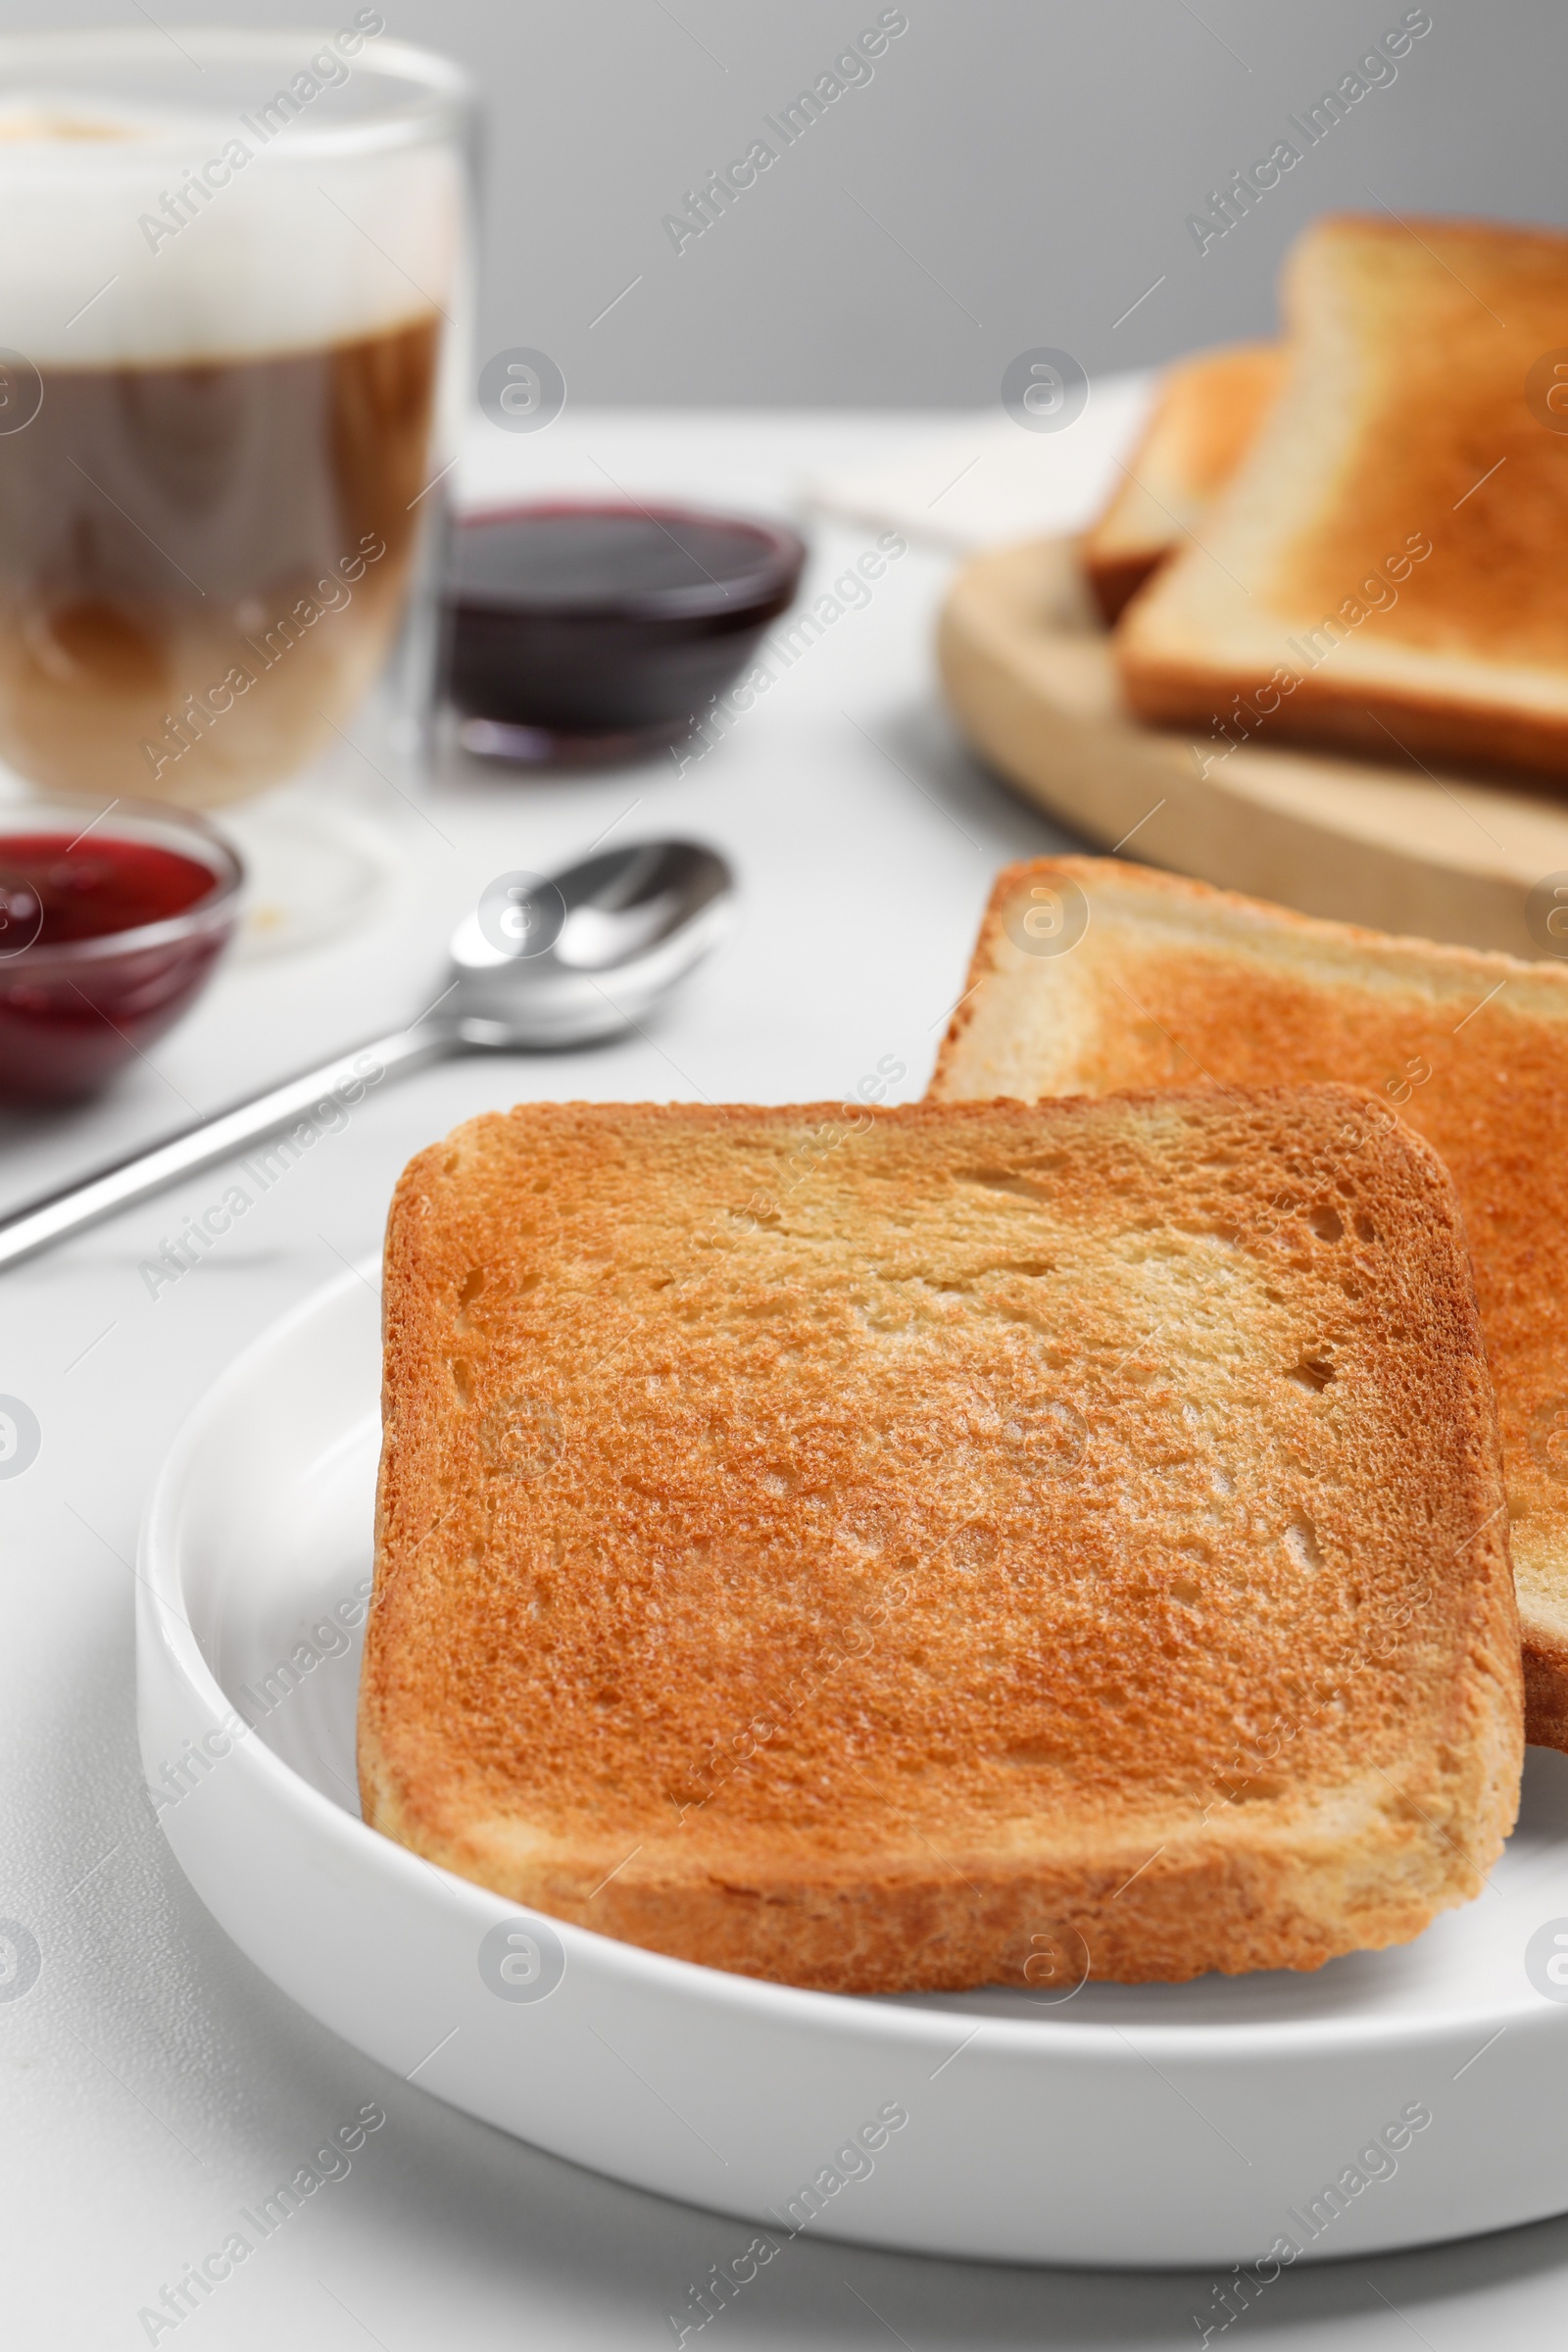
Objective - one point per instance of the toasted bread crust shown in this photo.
(1178, 983)
(1115, 575)
(1379, 567)
(803, 1547)
(1545, 1694)
(1205, 413)
(1381, 719)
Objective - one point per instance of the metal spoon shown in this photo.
(541, 962)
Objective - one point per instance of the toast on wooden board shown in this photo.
(1166, 982)
(1207, 410)
(954, 1545)
(1384, 569)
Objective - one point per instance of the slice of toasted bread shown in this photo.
(898, 1550)
(1207, 410)
(1385, 570)
(1175, 984)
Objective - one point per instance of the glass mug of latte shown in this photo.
(234, 296)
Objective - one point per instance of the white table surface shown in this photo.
(152, 2080)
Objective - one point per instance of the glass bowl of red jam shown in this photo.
(111, 921)
(579, 634)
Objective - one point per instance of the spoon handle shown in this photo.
(342, 1081)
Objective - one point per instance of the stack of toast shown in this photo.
(1109, 1518)
(1351, 539)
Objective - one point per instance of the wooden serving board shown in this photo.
(1026, 665)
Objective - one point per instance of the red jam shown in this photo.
(68, 1021)
(88, 887)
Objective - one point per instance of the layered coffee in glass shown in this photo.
(233, 293)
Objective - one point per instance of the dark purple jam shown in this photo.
(598, 631)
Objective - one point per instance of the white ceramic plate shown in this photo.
(1129, 2125)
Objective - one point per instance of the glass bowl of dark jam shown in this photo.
(579, 634)
(111, 921)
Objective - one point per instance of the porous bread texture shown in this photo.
(876, 1555)
(1206, 410)
(1176, 984)
(1404, 422)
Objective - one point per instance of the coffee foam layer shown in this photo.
(142, 239)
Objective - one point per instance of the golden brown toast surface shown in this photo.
(1175, 984)
(1207, 410)
(1392, 541)
(849, 1550)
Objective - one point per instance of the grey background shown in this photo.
(1016, 174)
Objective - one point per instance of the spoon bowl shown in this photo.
(584, 954)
